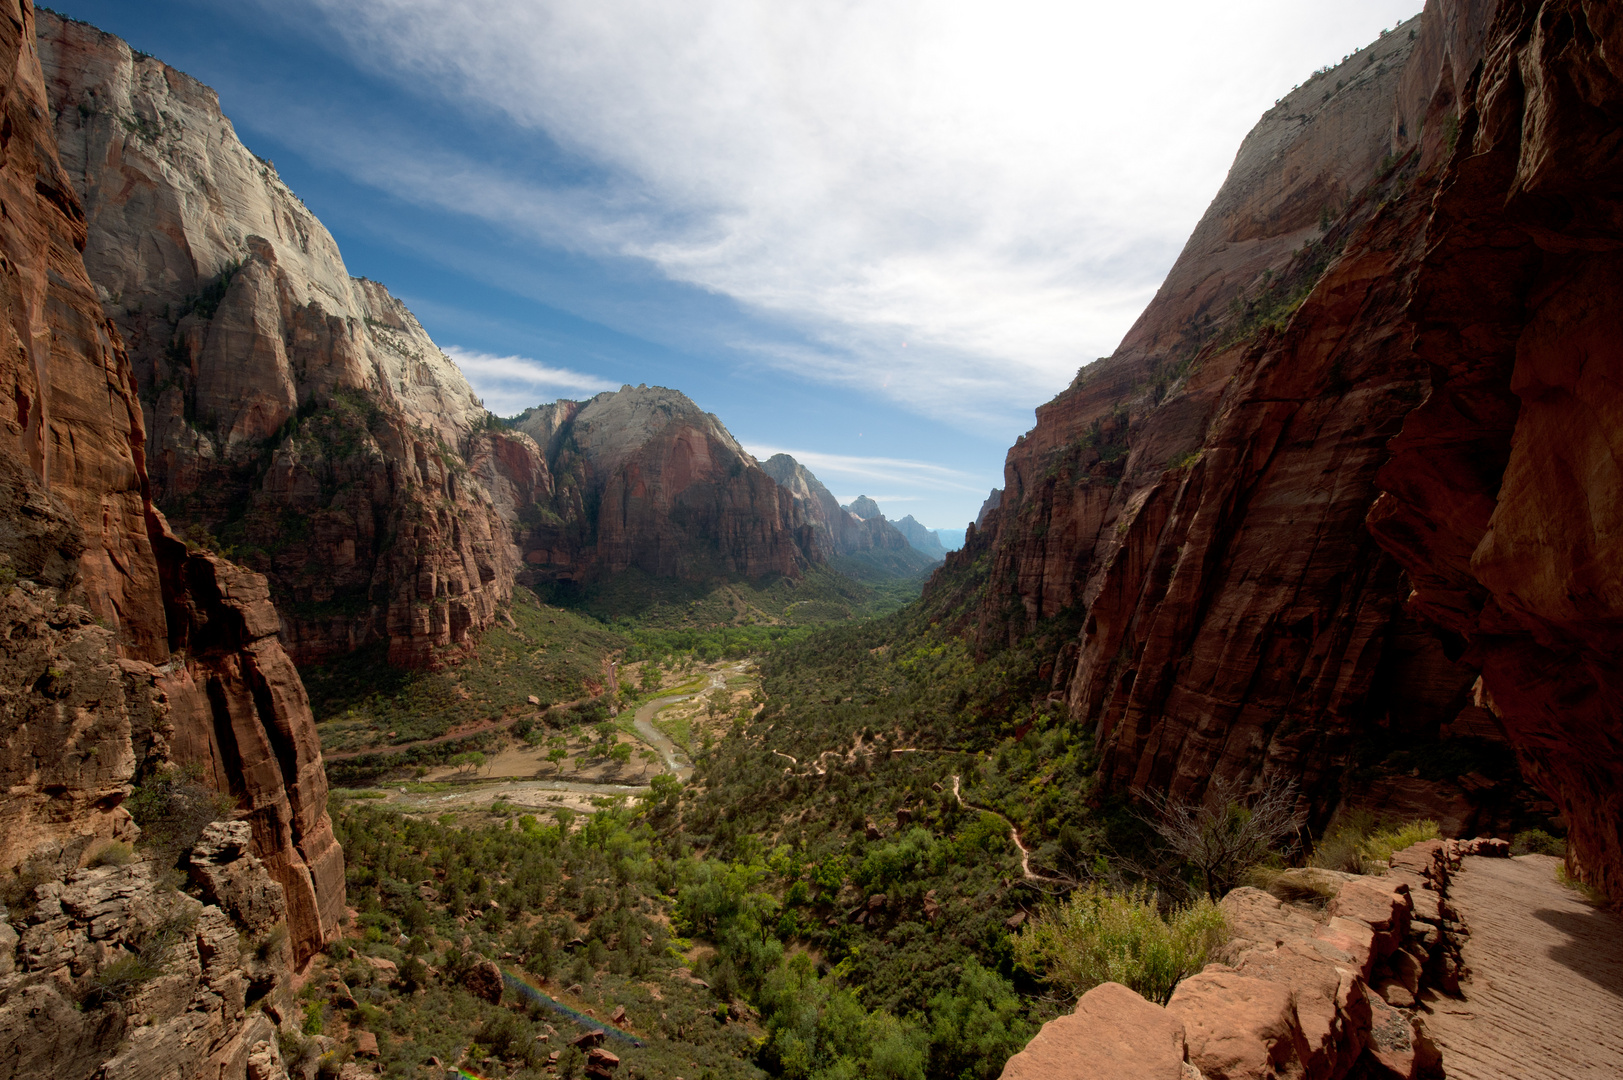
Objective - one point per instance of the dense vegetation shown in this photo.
(551, 653)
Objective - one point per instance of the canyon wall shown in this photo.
(837, 531)
(1504, 492)
(645, 479)
(130, 654)
(297, 418)
(1185, 526)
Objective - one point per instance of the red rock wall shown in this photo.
(201, 675)
(1504, 491)
(298, 418)
(1196, 545)
(642, 478)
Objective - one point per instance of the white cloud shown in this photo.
(848, 469)
(1001, 187)
(511, 384)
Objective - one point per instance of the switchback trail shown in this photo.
(1545, 997)
(1014, 834)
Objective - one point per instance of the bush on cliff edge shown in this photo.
(1100, 936)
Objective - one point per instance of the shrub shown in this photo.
(172, 809)
(112, 853)
(1537, 842)
(1100, 936)
(1361, 844)
(1379, 847)
(120, 980)
(1222, 837)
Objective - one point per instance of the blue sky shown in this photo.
(871, 233)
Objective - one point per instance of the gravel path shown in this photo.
(1545, 997)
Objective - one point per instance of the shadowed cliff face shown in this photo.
(1504, 489)
(133, 653)
(297, 417)
(645, 479)
(1194, 535)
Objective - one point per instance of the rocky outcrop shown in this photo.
(1187, 522)
(132, 654)
(643, 478)
(837, 530)
(1318, 992)
(112, 972)
(298, 418)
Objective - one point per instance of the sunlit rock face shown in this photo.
(644, 478)
(129, 653)
(1401, 295)
(298, 418)
(837, 531)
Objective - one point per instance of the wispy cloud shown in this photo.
(902, 472)
(511, 384)
(955, 204)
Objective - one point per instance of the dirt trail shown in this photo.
(1014, 834)
(1545, 996)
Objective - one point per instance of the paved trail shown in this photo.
(1545, 997)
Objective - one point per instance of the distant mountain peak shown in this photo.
(864, 508)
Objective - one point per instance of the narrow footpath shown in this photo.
(1545, 996)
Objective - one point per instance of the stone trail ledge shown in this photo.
(1300, 994)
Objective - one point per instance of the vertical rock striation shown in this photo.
(299, 418)
(1504, 490)
(1188, 519)
(132, 652)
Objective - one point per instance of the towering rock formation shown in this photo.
(127, 652)
(1504, 492)
(924, 540)
(837, 530)
(299, 418)
(1188, 517)
(644, 478)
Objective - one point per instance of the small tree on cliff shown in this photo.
(1225, 835)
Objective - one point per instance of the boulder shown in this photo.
(1240, 1027)
(484, 980)
(601, 1063)
(366, 1044)
(588, 1039)
(1112, 1034)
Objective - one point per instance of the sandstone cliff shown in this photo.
(298, 418)
(1186, 522)
(1503, 492)
(838, 531)
(644, 478)
(129, 654)
(923, 539)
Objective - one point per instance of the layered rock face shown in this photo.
(1504, 490)
(130, 653)
(837, 530)
(67, 1014)
(1187, 520)
(644, 478)
(298, 418)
